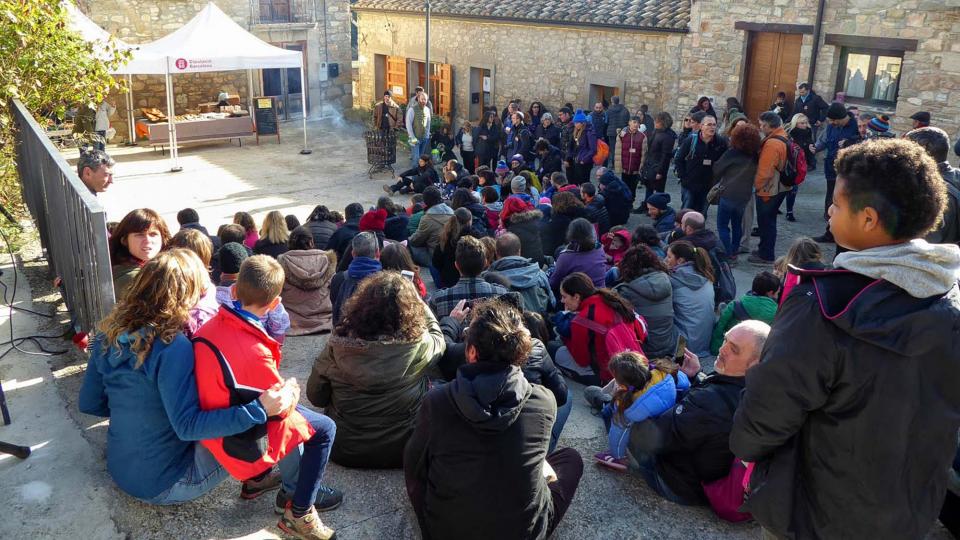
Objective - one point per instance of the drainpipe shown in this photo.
(427, 52)
(817, 29)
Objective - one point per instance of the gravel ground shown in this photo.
(219, 179)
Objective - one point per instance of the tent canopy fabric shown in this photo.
(142, 62)
(212, 41)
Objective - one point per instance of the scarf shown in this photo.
(419, 121)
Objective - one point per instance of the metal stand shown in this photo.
(381, 151)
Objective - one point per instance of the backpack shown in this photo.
(727, 494)
(603, 343)
(603, 152)
(740, 313)
(725, 286)
(795, 169)
(689, 156)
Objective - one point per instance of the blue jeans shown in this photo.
(612, 277)
(730, 224)
(648, 470)
(792, 198)
(422, 147)
(302, 469)
(202, 476)
(695, 199)
(563, 412)
(767, 224)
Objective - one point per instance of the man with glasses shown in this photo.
(694, 163)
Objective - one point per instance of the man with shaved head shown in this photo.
(683, 448)
(695, 231)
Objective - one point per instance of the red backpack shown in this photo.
(598, 333)
(795, 169)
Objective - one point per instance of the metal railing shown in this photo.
(281, 11)
(72, 223)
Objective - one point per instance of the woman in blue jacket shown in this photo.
(140, 375)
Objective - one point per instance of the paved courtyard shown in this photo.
(218, 180)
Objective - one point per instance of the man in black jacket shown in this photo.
(340, 240)
(811, 105)
(694, 163)
(550, 160)
(936, 143)
(476, 466)
(851, 416)
(682, 448)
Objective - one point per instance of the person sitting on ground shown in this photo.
(617, 197)
(615, 244)
(415, 180)
(322, 227)
(274, 236)
(246, 221)
(395, 226)
(579, 356)
(188, 218)
(521, 217)
(551, 161)
(365, 251)
(340, 240)
(596, 209)
(374, 222)
(760, 304)
(540, 369)
(645, 283)
(490, 254)
(139, 237)
(141, 376)
(647, 235)
(292, 222)
(582, 254)
(372, 373)
(524, 275)
(424, 241)
(396, 257)
(463, 198)
(207, 307)
(695, 231)
(553, 233)
(232, 233)
(691, 276)
(462, 429)
(677, 232)
(804, 254)
(415, 212)
(449, 184)
(681, 450)
(470, 262)
(660, 211)
(857, 392)
(640, 389)
(492, 206)
(232, 254)
(306, 288)
(458, 225)
(233, 355)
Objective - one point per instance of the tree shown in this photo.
(50, 68)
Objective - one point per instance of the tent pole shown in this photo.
(132, 133)
(171, 124)
(250, 91)
(303, 103)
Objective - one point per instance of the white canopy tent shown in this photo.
(211, 41)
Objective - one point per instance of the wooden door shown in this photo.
(773, 62)
(397, 78)
(442, 85)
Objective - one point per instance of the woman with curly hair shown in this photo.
(372, 374)
(141, 376)
(645, 283)
(734, 173)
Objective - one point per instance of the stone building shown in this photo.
(894, 57)
(319, 28)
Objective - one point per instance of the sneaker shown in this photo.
(790, 217)
(251, 489)
(388, 189)
(757, 259)
(824, 239)
(328, 499)
(755, 232)
(308, 527)
(607, 460)
(596, 398)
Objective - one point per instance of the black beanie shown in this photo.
(232, 256)
(836, 111)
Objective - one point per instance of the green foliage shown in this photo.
(49, 68)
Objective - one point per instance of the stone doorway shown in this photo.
(773, 60)
(602, 94)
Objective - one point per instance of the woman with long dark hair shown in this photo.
(321, 225)
(582, 254)
(489, 136)
(466, 142)
(692, 278)
(444, 257)
(645, 283)
(415, 180)
(139, 237)
(659, 153)
(397, 257)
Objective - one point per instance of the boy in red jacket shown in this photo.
(235, 358)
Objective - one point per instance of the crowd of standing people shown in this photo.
(458, 320)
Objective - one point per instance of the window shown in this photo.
(869, 76)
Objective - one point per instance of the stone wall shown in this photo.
(141, 21)
(531, 62)
(715, 53)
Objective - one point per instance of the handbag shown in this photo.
(713, 196)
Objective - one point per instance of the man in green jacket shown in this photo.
(759, 304)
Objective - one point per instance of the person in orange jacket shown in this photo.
(770, 191)
(235, 360)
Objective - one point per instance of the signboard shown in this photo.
(486, 84)
(265, 117)
(396, 91)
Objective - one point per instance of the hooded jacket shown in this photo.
(856, 399)
(596, 211)
(693, 307)
(306, 289)
(373, 390)
(154, 407)
(658, 397)
(322, 231)
(527, 279)
(553, 233)
(949, 230)
(395, 227)
(526, 225)
(341, 238)
(666, 221)
(617, 198)
(592, 263)
(474, 465)
(652, 298)
(550, 164)
(616, 255)
(430, 227)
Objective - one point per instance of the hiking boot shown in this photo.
(825, 238)
(328, 499)
(308, 527)
(757, 259)
(596, 398)
(388, 189)
(790, 217)
(251, 489)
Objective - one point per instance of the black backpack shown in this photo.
(725, 286)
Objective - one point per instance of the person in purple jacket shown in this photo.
(582, 254)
